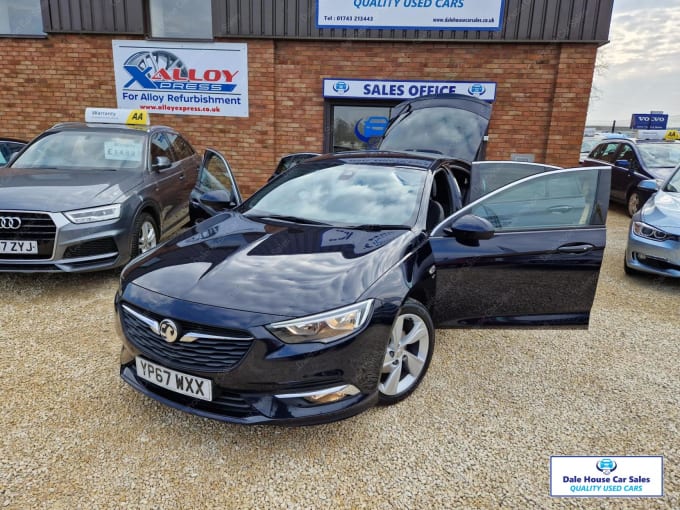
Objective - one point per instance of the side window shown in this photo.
(180, 146)
(551, 200)
(606, 152)
(181, 19)
(628, 154)
(160, 146)
(215, 175)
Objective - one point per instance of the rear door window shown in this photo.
(606, 152)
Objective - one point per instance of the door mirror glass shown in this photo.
(160, 163)
(469, 230)
(649, 185)
(622, 163)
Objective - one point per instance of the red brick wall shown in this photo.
(541, 104)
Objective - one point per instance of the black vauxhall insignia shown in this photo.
(318, 296)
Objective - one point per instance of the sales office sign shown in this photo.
(420, 14)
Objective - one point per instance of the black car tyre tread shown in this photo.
(633, 203)
(142, 222)
(407, 354)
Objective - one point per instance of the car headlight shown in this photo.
(647, 231)
(108, 212)
(324, 327)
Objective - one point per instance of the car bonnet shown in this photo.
(282, 269)
(62, 190)
(663, 211)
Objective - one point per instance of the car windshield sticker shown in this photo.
(127, 150)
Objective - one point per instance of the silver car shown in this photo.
(87, 197)
(654, 238)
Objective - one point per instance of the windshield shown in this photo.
(84, 150)
(441, 130)
(342, 195)
(589, 145)
(659, 155)
(673, 185)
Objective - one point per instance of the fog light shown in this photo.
(326, 396)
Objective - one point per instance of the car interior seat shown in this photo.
(435, 210)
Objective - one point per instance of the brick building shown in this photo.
(58, 58)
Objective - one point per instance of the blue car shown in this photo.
(632, 162)
(654, 238)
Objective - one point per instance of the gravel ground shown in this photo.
(478, 433)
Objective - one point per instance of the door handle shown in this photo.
(560, 209)
(181, 177)
(575, 248)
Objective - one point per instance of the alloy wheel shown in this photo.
(147, 237)
(633, 203)
(406, 357)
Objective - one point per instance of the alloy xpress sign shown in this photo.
(423, 14)
(182, 78)
(402, 90)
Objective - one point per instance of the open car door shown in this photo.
(214, 176)
(526, 254)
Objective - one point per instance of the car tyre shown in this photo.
(633, 203)
(408, 353)
(144, 235)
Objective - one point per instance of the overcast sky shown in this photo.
(641, 64)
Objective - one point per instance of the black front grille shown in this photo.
(203, 355)
(91, 248)
(37, 227)
(229, 404)
(658, 263)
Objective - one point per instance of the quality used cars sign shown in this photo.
(428, 14)
(184, 79)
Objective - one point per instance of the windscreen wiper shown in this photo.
(291, 219)
(371, 227)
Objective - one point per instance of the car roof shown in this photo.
(13, 140)
(62, 126)
(635, 140)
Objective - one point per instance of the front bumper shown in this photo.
(270, 381)
(70, 247)
(660, 258)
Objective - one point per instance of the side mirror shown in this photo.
(160, 163)
(219, 200)
(649, 185)
(623, 163)
(470, 229)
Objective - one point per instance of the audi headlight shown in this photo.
(647, 231)
(108, 212)
(324, 327)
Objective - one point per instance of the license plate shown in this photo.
(173, 380)
(9, 247)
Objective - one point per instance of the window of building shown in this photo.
(21, 17)
(357, 126)
(181, 19)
